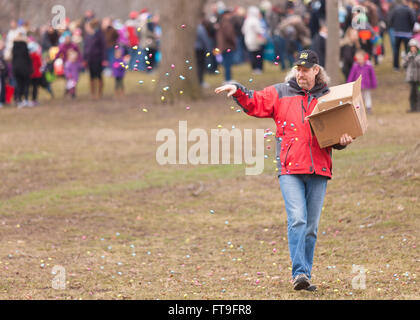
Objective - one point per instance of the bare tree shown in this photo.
(333, 49)
(177, 72)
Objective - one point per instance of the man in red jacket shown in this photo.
(303, 166)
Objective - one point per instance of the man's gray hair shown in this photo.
(321, 78)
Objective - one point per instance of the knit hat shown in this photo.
(414, 43)
(33, 46)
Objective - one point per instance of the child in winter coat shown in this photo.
(71, 72)
(36, 76)
(362, 66)
(411, 61)
(118, 71)
(3, 75)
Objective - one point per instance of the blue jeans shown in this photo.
(303, 195)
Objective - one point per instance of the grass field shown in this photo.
(81, 189)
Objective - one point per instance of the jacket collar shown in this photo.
(317, 91)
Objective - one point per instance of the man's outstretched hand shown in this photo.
(230, 88)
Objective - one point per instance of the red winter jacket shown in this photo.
(36, 65)
(298, 151)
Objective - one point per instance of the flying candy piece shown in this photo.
(181, 92)
(144, 110)
(172, 66)
(188, 108)
(208, 54)
(183, 26)
(182, 77)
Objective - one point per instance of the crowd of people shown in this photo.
(274, 31)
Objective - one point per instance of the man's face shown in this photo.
(305, 77)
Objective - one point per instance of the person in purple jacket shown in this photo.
(71, 72)
(118, 71)
(94, 56)
(67, 45)
(363, 67)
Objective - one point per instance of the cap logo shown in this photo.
(303, 55)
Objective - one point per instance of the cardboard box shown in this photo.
(340, 111)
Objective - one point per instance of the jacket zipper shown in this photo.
(310, 142)
(285, 158)
(303, 110)
(310, 152)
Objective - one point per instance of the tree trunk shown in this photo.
(178, 70)
(333, 48)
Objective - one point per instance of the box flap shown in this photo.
(357, 87)
(340, 94)
(319, 112)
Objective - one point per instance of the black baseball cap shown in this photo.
(307, 59)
